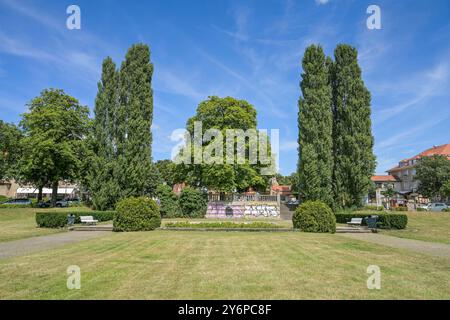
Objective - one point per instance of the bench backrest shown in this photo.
(356, 220)
(86, 218)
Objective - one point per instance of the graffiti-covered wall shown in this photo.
(242, 209)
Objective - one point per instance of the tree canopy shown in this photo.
(54, 129)
(433, 173)
(10, 150)
(223, 114)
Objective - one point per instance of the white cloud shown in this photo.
(322, 2)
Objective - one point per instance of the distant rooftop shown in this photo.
(443, 150)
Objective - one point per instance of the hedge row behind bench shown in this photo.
(58, 219)
(385, 220)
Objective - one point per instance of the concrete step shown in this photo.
(353, 230)
(92, 228)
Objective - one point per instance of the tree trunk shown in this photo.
(54, 193)
(39, 199)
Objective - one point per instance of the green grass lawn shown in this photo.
(224, 265)
(426, 226)
(21, 223)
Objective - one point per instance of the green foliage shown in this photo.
(121, 138)
(3, 198)
(373, 208)
(433, 173)
(354, 161)
(445, 189)
(15, 206)
(192, 203)
(137, 214)
(225, 225)
(314, 216)
(52, 145)
(222, 114)
(399, 209)
(169, 207)
(315, 123)
(167, 170)
(102, 165)
(58, 219)
(10, 150)
(385, 220)
(388, 193)
(421, 209)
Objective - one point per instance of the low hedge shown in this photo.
(400, 209)
(227, 225)
(385, 220)
(374, 208)
(58, 219)
(15, 206)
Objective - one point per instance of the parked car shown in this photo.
(422, 206)
(17, 202)
(437, 206)
(59, 204)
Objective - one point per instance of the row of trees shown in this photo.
(336, 159)
(110, 155)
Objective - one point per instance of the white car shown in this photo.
(437, 207)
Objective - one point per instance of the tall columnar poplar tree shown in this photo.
(354, 161)
(104, 188)
(135, 114)
(121, 160)
(315, 122)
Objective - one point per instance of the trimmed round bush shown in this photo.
(314, 216)
(168, 206)
(136, 214)
(192, 203)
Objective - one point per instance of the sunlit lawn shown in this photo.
(224, 265)
(426, 226)
(21, 223)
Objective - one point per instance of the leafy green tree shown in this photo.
(433, 173)
(445, 190)
(10, 150)
(222, 114)
(168, 200)
(354, 161)
(167, 170)
(315, 123)
(54, 129)
(192, 203)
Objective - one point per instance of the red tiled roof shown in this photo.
(388, 178)
(443, 150)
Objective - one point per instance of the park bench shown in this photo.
(88, 220)
(355, 222)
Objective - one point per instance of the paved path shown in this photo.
(441, 250)
(30, 245)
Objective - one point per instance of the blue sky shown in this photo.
(246, 49)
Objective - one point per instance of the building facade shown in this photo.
(405, 172)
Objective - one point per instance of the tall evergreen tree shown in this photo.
(135, 113)
(315, 122)
(354, 161)
(104, 188)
